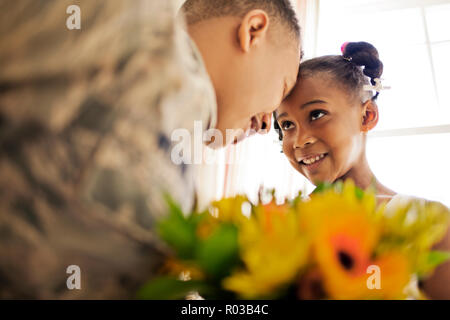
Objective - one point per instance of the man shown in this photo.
(251, 52)
(86, 122)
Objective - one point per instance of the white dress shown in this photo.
(399, 200)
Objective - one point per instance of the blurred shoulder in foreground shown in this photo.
(86, 118)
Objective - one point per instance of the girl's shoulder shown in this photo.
(402, 200)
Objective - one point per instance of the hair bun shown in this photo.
(366, 55)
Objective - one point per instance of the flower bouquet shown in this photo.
(336, 244)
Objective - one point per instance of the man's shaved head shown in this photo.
(280, 11)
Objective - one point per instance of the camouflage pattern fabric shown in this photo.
(86, 118)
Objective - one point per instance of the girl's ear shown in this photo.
(253, 29)
(369, 116)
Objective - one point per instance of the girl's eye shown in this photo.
(317, 114)
(286, 125)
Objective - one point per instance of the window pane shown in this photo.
(414, 165)
(441, 55)
(438, 22)
(400, 39)
(388, 28)
(411, 101)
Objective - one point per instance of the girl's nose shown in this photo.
(303, 140)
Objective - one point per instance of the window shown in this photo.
(410, 149)
(413, 39)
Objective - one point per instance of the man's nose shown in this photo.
(266, 123)
(263, 122)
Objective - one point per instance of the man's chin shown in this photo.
(214, 145)
(226, 142)
(216, 139)
(240, 138)
(223, 138)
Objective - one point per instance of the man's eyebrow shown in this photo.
(303, 106)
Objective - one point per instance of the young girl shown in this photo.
(324, 123)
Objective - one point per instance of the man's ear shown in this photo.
(253, 29)
(369, 116)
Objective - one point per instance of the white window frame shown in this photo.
(364, 6)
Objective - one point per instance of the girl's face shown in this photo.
(323, 134)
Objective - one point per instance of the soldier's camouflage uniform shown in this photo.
(86, 118)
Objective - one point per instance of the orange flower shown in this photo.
(342, 247)
(395, 275)
(271, 211)
(346, 264)
(345, 230)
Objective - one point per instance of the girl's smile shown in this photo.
(311, 163)
(321, 128)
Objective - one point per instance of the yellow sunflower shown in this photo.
(230, 209)
(225, 210)
(273, 251)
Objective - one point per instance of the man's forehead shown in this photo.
(292, 81)
(292, 63)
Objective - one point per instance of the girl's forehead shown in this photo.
(314, 89)
(326, 84)
(316, 82)
(317, 87)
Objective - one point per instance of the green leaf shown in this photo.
(195, 218)
(359, 193)
(169, 288)
(174, 208)
(178, 231)
(218, 254)
(294, 203)
(322, 187)
(436, 258)
(180, 236)
(337, 187)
